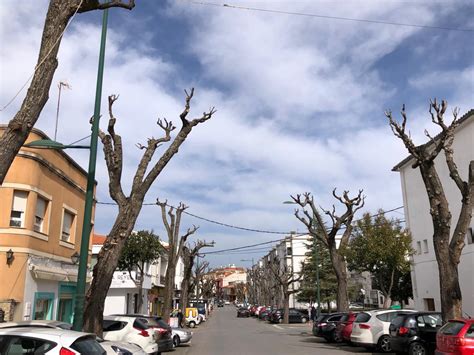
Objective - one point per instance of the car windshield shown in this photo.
(452, 328)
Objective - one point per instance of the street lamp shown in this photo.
(316, 256)
(75, 258)
(86, 226)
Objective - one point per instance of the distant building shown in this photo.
(41, 216)
(226, 278)
(418, 220)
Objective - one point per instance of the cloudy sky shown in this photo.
(300, 99)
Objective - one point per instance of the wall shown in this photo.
(425, 270)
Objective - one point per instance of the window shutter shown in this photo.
(19, 201)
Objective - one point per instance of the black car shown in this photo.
(243, 312)
(220, 304)
(415, 333)
(295, 316)
(325, 326)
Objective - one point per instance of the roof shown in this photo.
(469, 114)
(98, 239)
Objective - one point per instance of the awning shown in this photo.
(46, 272)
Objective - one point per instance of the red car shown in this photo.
(456, 338)
(344, 327)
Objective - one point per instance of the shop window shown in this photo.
(40, 215)
(67, 233)
(17, 216)
(43, 306)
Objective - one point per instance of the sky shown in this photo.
(300, 100)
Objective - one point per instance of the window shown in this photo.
(418, 248)
(289, 251)
(17, 217)
(68, 226)
(470, 236)
(41, 207)
(43, 306)
(470, 332)
(429, 304)
(425, 245)
(453, 327)
(15, 344)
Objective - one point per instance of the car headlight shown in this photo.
(121, 351)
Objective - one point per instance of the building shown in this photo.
(122, 297)
(226, 279)
(425, 278)
(41, 215)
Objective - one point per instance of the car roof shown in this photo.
(41, 332)
(33, 323)
(382, 311)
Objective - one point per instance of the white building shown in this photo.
(418, 220)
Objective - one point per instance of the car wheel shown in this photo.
(303, 320)
(336, 337)
(176, 341)
(417, 349)
(384, 344)
(192, 324)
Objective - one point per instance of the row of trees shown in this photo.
(448, 242)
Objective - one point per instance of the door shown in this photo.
(428, 325)
(66, 294)
(43, 306)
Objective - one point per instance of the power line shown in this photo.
(379, 22)
(42, 60)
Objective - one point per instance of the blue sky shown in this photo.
(300, 99)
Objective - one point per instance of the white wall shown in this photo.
(425, 270)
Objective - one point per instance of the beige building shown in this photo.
(41, 215)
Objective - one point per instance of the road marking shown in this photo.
(277, 326)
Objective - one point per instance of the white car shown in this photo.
(371, 328)
(49, 341)
(181, 336)
(111, 347)
(131, 330)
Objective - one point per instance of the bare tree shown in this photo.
(207, 285)
(284, 277)
(199, 277)
(313, 221)
(189, 256)
(58, 16)
(447, 249)
(129, 206)
(175, 249)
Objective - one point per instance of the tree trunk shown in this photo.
(387, 293)
(169, 291)
(140, 290)
(14, 136)
(286, 306)
(103, 272)
(450, 290)
(340, 269)
(188, 268)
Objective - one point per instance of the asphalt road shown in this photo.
(225, 334)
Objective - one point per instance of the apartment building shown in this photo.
(425, 277)
(41, 215)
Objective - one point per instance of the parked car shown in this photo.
(220, 304)
(111, 347)
(344, 327)
(49, 341)
(227, 303)
(456, 337)
(293, 317)
(164, 337)
(415, 333)
(243, 312)
(371, 328)
(181, 336)
(132, 330)
(252, 310)
(325, 326)
(265, 315)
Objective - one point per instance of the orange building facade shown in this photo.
(41, 216)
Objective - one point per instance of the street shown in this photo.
(224, 333)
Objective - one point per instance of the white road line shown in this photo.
(277, 326)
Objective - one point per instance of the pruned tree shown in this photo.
(58, 16)
(240, 291)
(448, 243)
(315, 224)
(129, 206)
(141, 248)
(207, 286)
(175, 249)
(382, 247)
(284, 278)
(189, 256)
(200, 271)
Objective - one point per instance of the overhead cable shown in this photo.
(328, 17)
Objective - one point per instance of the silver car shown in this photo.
(180, 336)
(111, 347)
